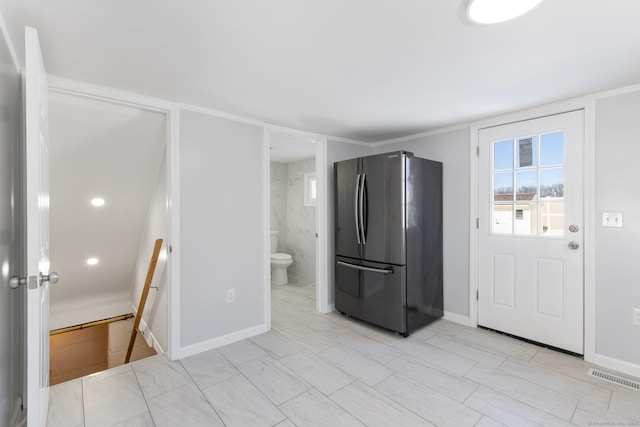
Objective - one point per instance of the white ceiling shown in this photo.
(106, 150)
(287, 148)
(363, 69)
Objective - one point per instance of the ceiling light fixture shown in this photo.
(494, 11)
(97, 201)
(92, 261)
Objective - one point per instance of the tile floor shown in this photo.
(326, 370)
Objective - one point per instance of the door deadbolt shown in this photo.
(574, 228)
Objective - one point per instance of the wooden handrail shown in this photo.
(143, 298)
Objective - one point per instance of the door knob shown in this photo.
(574, 228)
(574, 245)
(15, 282)
(52, 278)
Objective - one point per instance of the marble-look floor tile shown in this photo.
(573, 367)
(65, 405)
(430, 405)
(542, 398)
(583, 391)
(184, 406)
(273, 379)
(509, 411)
(241, 352)
(369, 347)
(446, 327)
(498, 342)
(468, 350)
(112, 399)
(313, 409)
(587, 416)
(239, 403)
(142, 420)
(276, 345)
(308, 338)
(157, 375)
(626, 403)
(325, 325)
(372, 408)
(435, 356)
(286, 423)
(367, 371)
(455, 387)
(99, 376)
(208, 368)
(488, 422)
(321, 375)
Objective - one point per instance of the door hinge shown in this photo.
(478, 223)
(477, 150)
(477, 295)
(170, 249)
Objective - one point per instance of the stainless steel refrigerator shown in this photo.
(388, 240)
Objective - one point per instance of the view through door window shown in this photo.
(528, 185)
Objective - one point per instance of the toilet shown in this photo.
(279, 262)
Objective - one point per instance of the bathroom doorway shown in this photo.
(296, 216)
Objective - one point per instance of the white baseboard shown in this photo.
(457, 318)
(621, 366)
(190, 350)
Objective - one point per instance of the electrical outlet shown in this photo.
(231, 295)
(636, 316)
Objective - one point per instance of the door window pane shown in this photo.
(552, 149)
(526, 219)
(552, 182)
(552, 219)
(502, 219)
(503, 155)
(527, 152)
(526, 185)
(503, 187)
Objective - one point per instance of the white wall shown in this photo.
(617, 250)
(155, 326)
(10, 248)
(221, 228)
(336, 151)
(301, 224)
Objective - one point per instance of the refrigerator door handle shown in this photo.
(364, 239)
(360, 267)
(355, 204)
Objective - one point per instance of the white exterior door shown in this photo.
(37, 230)
(531, 229)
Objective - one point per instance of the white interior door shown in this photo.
(531, 229)
(37, 230)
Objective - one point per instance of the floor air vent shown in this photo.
(634, 385)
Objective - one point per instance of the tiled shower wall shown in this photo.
(278, 189)
(301, 223)
(295, 222)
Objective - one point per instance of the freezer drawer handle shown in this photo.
(360, 267)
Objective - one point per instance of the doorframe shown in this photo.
(172, 114)
(586, 104)
(322, 287)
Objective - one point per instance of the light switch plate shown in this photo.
(612, 219)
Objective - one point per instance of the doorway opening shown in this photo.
(108, 192)
(296, 218)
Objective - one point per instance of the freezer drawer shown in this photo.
(372, 292)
